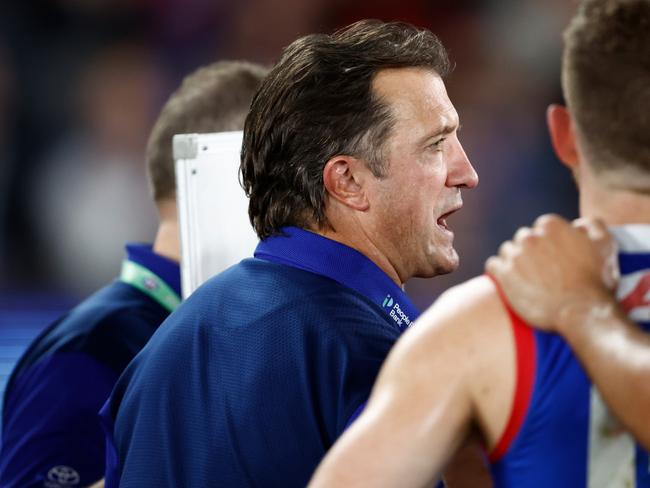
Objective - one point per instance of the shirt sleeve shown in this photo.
(52, 436)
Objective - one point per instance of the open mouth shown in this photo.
(442, 220)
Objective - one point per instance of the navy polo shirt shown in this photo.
(51, 434)
(256, 374)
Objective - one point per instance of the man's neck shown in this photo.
(167, 240)
(358, 240)
(615, 207)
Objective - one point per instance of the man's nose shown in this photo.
(461, 172)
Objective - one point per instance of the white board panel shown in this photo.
(212, 206)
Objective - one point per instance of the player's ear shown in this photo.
(563, 137)
(343, 179)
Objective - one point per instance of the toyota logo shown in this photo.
(62, 476)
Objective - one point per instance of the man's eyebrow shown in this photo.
(441, 131)
(447, 129)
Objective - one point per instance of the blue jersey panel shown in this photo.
(249, 382)
(550, 448)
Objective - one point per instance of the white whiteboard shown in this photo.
(212, 207)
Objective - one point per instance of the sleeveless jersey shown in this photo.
(560, 433)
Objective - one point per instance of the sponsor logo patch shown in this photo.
(61, 476)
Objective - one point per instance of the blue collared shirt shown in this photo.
(312, 252)
(256, 374)
(51, 431)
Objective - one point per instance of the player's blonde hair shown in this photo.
(606, 81)
(214, 98)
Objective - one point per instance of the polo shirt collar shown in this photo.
(165, 268)
(313, 252)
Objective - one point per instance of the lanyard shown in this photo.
(150, 284)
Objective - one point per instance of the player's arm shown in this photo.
(559, 277)
(424, 404)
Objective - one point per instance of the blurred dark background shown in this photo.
(81, 82)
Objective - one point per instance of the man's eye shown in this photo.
(437, 144)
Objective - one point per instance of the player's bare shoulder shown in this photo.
(473, 306)
(457, 326)
(469, 325)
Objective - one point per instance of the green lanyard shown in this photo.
(149, 284)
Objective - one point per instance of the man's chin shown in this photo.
(442, 265)
(448, 268)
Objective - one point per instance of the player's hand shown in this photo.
(556, 269)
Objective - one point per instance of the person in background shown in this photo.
(51, 430)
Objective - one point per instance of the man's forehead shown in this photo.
(412, 92)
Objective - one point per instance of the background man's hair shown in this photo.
(606, 80)
(214, 98)
(317, 103)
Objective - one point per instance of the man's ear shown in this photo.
(343, 178)
(563, 136)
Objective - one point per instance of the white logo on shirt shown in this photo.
(61, 476)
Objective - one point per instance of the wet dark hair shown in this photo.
(316, 103)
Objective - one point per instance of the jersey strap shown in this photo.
(150, 284)
(525, 379)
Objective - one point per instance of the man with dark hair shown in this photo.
(523, 390)
(352, 164)
(52, 435)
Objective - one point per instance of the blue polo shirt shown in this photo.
(51, 434)
(252, 379)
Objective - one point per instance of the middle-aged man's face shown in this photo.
(426, 167)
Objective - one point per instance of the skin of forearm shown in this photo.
(616, 355)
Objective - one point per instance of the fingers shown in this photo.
(605, 245)
(548, 232)
(552, 227)
(598, 233)
(506, 257)
(550, 221)
(493, 267)
(564, 231)
(522, 234)
(538, 240)
(595, 228)
(506, 249)
(552, 264)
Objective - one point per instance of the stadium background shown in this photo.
(81, 82)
